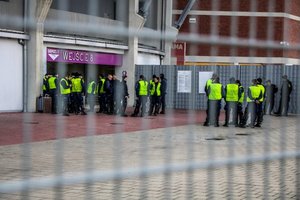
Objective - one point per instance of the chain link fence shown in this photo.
(139, 159)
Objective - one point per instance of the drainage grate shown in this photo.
(116, 123)
(242, 134)
(215, 138)
(31, 122)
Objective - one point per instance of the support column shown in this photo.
(135, 23)
(171, 33)
(38, 10)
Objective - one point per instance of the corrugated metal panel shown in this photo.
(293, 75)
(169, 72)
(245, 74)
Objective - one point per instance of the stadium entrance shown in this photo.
(89, 64)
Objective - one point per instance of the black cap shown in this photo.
(259, 80)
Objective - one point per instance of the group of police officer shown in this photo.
(234, 96)
(67, 94)
(156, 89)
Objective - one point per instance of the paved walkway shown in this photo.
(176, 144)
(48, 126)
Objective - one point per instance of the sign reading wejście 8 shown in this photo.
(83, 57)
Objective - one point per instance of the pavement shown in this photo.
(201, 162)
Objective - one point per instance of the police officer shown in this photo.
(163, 82)
(117, 94)
(231, 97)
(285, 92)
(109, 95)
(155, 92)
(260, 103)
(91, 91)
(45, 85)
(240, 103)
(208, 83)
(215, 94)
(271, 90)
(65, 90)
(254, 95)
(101, 94)
(125, 96)
(78, 89)
(151, 88)
(53, 90)
(141, 92)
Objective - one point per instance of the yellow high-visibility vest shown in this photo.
(143, 88)
(255, 92)
(215, 91)
(90, 87)
(158, 92)
(51, 82)
(44, 86)
(102, 86)
(241, 100)
(152, 87)
(263, 90)
(62, 89)
(232, 92)
(76, 85)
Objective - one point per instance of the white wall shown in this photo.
(11, 76)
(148, 59)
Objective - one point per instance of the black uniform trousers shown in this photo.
(65, 103)
(102, 103)
(259, 113)
(91, 101)
(78, 102)
(53, 95)
(163, 103)
(124, 105)
(109, 103)
(154, 105)
(240, 113)
(140, 104)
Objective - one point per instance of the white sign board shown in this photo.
(203, 77)
(184, 81)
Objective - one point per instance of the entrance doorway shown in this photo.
(88, 71)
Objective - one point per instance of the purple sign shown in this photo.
(83, 57)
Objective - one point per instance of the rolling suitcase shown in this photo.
(39, 104)
(47, 104)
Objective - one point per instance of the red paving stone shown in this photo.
(42, 126)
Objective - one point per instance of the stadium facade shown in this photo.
(89, 37)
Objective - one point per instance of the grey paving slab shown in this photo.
(157, 147)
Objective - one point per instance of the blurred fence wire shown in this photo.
(178, 161)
